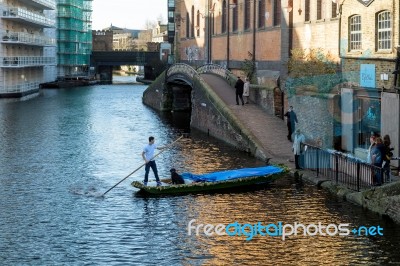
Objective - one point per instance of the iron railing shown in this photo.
(342, 168)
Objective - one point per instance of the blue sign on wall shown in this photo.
(367, 75)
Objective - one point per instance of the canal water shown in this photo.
(61, 150)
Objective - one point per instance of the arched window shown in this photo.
(384, 28)
(192, 23)
(355, 34)
(187, 25)
(198, 23)
(319, 9)
(277, 12)
(246, 14)
(261, 13)
(223, 17)
(307, 10)
(235, 16)
(334, 9)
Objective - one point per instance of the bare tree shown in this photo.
(148, 25)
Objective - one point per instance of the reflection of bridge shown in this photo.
(103, 61)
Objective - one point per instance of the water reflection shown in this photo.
(62, 148)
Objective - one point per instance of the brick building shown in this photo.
(204, 35)
(102, 40)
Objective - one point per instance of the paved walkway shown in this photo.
(270, 130)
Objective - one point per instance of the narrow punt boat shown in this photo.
(228, 179)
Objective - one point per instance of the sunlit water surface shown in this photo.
(63, 149)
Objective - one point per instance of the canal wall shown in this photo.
(211, 115)
(156, 95)
(383, 200)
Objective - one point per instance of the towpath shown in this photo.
(270, 131)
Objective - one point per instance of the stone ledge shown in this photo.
(383, 200)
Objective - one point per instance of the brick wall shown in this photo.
(316, 116)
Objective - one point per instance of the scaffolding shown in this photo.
(74, 37)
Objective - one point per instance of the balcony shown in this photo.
(21, 88)
(27, 39)
(26, 61)
(40, 4)
(27, 17)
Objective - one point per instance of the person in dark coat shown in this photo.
(377, 153)
(176, 178)
(239, 90)
(291, 120)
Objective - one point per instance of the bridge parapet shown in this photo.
(181, 68)
(215, 69)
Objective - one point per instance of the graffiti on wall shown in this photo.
(193, 53)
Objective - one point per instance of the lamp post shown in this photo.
(254, 36)
(227, 35)
(228, 6)
(337, 2)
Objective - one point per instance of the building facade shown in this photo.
(74, 37)
(27, 46)
(230, 32)
(368, 44)
(102, 40)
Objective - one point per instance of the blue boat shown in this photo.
(221, 180)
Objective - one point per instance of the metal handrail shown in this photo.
(28, 16)
(24, 61)
(342, 168)
(28, 38)
(215, 69)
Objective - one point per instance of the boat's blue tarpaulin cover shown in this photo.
(233, 174)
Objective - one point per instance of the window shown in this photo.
(307, 10)
(334, 10)
(198, 23)
(261, 13)
(246, 14)
(223, 17)
(277, 12)
(355, 33)
(170, 15)
(235, 15)
(319, 9)
(187, 25)
(213, 22)
(192, 23)
(369, 110)
(384, 31)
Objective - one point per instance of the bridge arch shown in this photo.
(181, 79)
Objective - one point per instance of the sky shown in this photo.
(130, 14)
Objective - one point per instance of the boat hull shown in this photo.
(201, 187)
